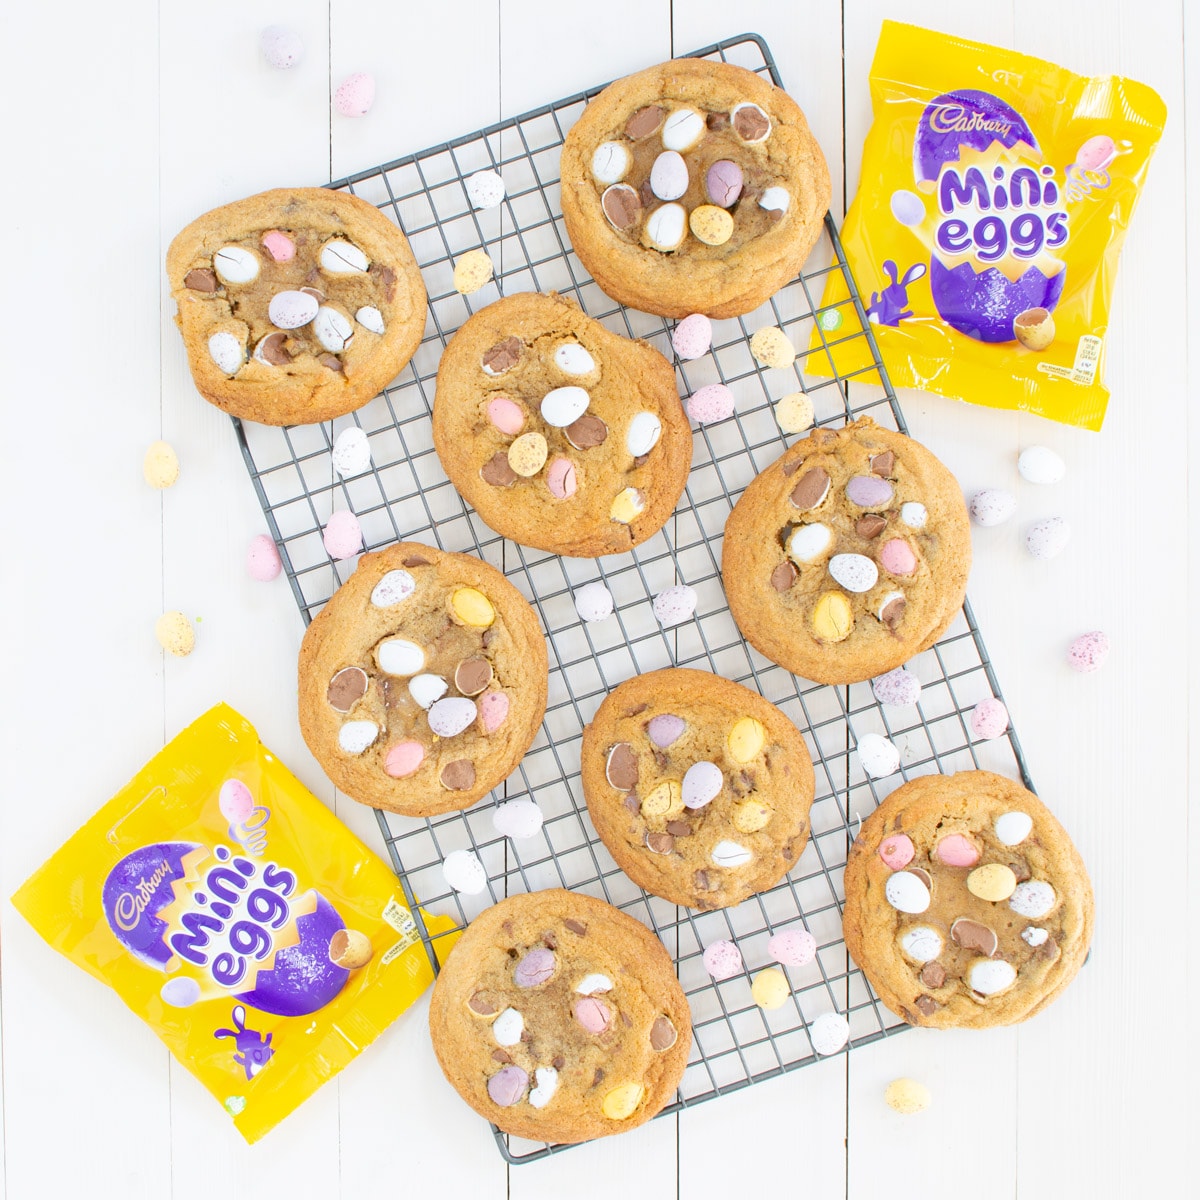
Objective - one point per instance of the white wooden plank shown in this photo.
(85, 379)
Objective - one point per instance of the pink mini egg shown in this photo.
(792, 947)
(493, 709)
(403, 759)
(896, 851)
(355, 95)
(235, 802)
(1088, 652)
(594, 1015)
(343, 534)
(692, 336)
(897, 557)
(560, 478)
(955, 850)
(722, 960)
(505, 414)
(711, 403)
(1096, 153)
(262, 559)
(989, 718)
(279, 246)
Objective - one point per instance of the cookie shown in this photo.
(559, 1018)
(966, 903)
(422, 681)
(699, 787)
(693, 187)
(296, 305)
(848, 555)
(561, 435)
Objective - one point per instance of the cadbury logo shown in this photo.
(129, 906)
(956, 118)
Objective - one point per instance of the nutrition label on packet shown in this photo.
(401, 920)
(1087, 362)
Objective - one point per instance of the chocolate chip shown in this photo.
(775, 215)
(641, 460)
(933, 975)
(549, 940)
(971, 935)
(700, 881)
(923, 876)
(662, 1034)
(893, 613)
(332, 362)
(660, 843)
(883, 464)
(1048, 950)
(790, 468)
(503, 356)
(660, 760)
(416, 560)
(870, 526)
(575, 926)
(927, 1005)
(750, 123)
(480, 1004)
(633, 712)
(472, 675)
(507, 927)
(200, 279)
(274, 349)
(1020, 868)
(632, 804)
(644, 122)
(679, 828)
(558, 1062)
(646, 194)
(783, 576)
(489, 636)
(811, 489)
(717, 121)
(587, 433)
(501, 1056)
(315, 293)
(459, 775)
(388, 278)
(497, 471)
(622, 768)
(623, 206)
(347, 688)
(598, 1077)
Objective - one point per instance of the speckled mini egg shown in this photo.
(692, 336)
(355, 95)
(281, 47)
(1048, 538)
(993, 506)
(1088, 652)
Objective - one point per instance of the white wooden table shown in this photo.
(126, 120)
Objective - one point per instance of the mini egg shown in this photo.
(907, 1096)
(1033, 899)
(793, 947)
(400, 657)
(992, 506)
(464, 872)
(989, 719)
(643, 433)
(449, 717)
(561, 478)
(899, 687)
(906, 893)
(675, 605)
(991, 975)
(611, 162)
(291, 309)
(593, 601)
(770, 988)
(794, 413)
(573, 359)
(262, 558)
(702, 783)
(1088, 652)
(1096, 153)
(281, 47)
(668, 176)
(517, 818)
(921, 943)
(1048, 538)
(342, 534)
(829, 1033)
(175, 634)
(235, 801)
(160, 466)
(356, 736)
(563, 406)
(1041, 465)
(355, 95)
(351, 452)
(896, 850)
(485, 189)
(722, 960)
(665, 730)
(1012, 828)
(730, 854)
(667, 226)
(714, 402)
(692, 337)
(855, 572)
(471, 271)
(180, 992)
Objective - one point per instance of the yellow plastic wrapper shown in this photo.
(233, 912)
(995, 194)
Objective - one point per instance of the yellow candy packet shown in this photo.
(233, 912)
(995, 193)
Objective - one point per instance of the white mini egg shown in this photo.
(991, 975)
(399, 656)
(1034, 936)
(226, 351)
(235, 264)
(914, 515)
(485, 189)
(508, 1027)
(449, 717)
(675, 604)
(669, 175)
(855, 572)
(993, 506)
(878, 756)
(1033, 899)
(332, 329)
(643, 433)
(593, 601)
(667, 227)
(591, 985)
(355, 736)
(281, 47)
(290, 310)
(1040, 464)
(775, 199)
(702, 782)
(1048, 538)
(730, 854)
(464, 872)
(829, 1033)
(1012, 828)
(683, 129)
(427, 689)
(572, 358)
(564, 405)
(921, 943)
(906, 893)
(547, 1085)
(393, 588)
(340, 257)
(517, 818)
(809, 542)
(610, 162)
(369, 317)
(351, 453)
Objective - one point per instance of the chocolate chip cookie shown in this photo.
(699, 787)
(561, 435)
(559, 1018)
(966, 903)
(296, 305)
(693, 187)
(848, 555)
(422, 681)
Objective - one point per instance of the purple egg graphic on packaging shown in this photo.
(966, 118)
(138, 888)
(984, 305)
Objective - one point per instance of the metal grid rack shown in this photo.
(406, 495)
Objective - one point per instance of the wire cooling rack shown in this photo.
(406, 495)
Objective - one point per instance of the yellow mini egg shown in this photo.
(750, 816)
(772, 347)
(472, 271)
(712, 225)
(527, 455)
(666, 800)
(175, 634)
(472, 607)
(746, 739)
(350, 949)
(833, 618)
(794, 413)
(160, 467)
(628, 505)
(907, 1096)
(770, 988)
(992, 881)
(622, 1102)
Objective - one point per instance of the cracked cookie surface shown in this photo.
(422, 681)
(693, 187)
(559, 1018)
(699, 787)
(560, 434)
(296, 305)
